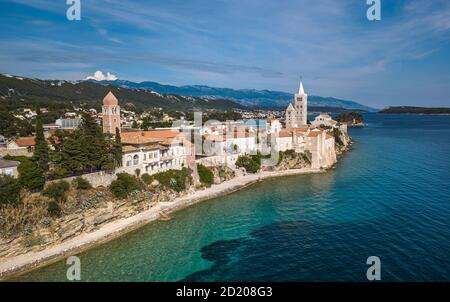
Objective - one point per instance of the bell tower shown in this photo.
(301, 106)
(111, 114)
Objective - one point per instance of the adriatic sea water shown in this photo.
(389, 197)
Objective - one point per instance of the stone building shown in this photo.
(111, 114)
(297, 114)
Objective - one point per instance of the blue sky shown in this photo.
(262, 44)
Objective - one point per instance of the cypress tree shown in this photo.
(117, 149)
(41, 152)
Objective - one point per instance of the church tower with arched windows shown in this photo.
(111, 114)
(297, 114)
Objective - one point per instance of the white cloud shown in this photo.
(100, 76)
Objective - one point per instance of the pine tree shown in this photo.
(74, 154)
(30, 175)
(98, 156)
(41, 153)
(93, 142)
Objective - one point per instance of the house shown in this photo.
(9, 167)
(22, 143)
(324, 119)
(283, 140)
(274, 126)
(155, 151)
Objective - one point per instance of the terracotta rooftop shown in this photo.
(314, 133)
(26, 141)
(285, 133)
(147, 137)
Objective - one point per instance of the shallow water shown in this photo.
(389, 197)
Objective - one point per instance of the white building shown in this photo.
(9, 167)
(274, 126)
(324, 119)
(155, 151)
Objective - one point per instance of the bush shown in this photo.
(177, 180)
(206, 175)
(81, 184)
(57, 190)
(124, 185)
(147, 179)
(30, 175)
(337, 137)
(58, 173)
(250, 164)
(9, 190)
(138, 172)
(53, 209)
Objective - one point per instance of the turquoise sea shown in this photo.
(389, 197)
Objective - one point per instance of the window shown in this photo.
(135, 160)
(129, 160)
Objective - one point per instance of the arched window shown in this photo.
(129, 160)
(135, 160)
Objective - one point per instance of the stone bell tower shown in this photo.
(111, 114)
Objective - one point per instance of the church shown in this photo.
(297, 115)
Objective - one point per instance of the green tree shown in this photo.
(30, 175)
(124, 185)
(41, 153)
(73, 155)
(9, 190)
(97, 153)
(206, 175)
(176, 180)
(81, 184)
(57, 190)
(252, 164)
(12, 126)
(116, 149)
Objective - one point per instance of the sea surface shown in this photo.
(389, 197)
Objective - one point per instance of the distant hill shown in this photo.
(417, 110)
(21, 91)
(246, 97)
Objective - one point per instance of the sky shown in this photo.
(403, 59)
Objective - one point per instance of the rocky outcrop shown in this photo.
(222, 173)
(82, 213)
(293, 160)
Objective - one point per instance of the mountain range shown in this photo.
(246, 97)
(15, 91)
(18, 92)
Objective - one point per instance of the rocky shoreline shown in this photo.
(117, 220)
